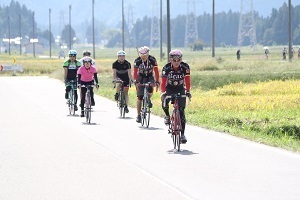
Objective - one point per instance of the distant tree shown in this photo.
(45, 35)
(65, 35)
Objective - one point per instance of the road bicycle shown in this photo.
(145, 110)
(121, 103)
(88, 103)
(175, 127)
(71, 97)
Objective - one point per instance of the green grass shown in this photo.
(279, 127)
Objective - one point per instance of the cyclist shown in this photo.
(299, 53)
(144, 66)
(122, 70)
(267, 53)
(238, 54)
(284, 52)
(176, 79)
(87, 74)
(86, 53)
(70, 73)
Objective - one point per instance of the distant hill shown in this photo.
(110, 11)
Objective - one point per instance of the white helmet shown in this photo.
(121, 53)
(144, 50)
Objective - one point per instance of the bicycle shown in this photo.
(88, 103)
(175, 127)
(121, 103)
(71, 97)
(145, 110)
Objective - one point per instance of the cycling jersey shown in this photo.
(144, 69)
(72, 69)
(176, 79)
(122, 70)
(87, 75)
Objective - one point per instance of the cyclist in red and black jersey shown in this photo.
(176, 79)
(122, 70)
(144, 66)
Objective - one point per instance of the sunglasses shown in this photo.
(72, 56)
(176, 59)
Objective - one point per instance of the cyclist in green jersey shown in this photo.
(70, 73)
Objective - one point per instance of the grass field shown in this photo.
(253, 98)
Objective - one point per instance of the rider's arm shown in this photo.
(129, 74)
(96, 78)
(114, 74)
(65, 73)
(156, 74)
(163, 84)
(187, 79)
(135, 71)
(79, 79)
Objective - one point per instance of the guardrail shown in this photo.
(13, 68)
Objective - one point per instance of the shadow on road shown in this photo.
(84, 123)
(126, 118)
(182, 152)
(150, 128)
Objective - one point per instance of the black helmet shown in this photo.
(86, 53)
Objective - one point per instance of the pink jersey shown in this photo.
(87, 75)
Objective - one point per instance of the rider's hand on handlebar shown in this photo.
(97, 86)
(189, 95)
(78, 85)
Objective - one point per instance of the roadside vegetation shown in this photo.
(253, 98)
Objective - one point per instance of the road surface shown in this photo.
(47, 154)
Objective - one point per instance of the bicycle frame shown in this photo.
(88, 103)
(175, 127)
(71, 100)
(121, 101)
(145, 111)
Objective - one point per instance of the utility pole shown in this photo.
(168, 29)
(50, 31)
(213, 30)
(33, 40)
(290, 32)
(70, 27)
(123, 27)
(20, 34)
(94, 50)
(8, 34)
(160, 32)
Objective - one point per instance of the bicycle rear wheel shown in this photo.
(147, 117)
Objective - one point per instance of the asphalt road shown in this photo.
(47, 154)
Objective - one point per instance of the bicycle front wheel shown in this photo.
(176, 131)
(88, 110)
(70, 95)
(73, 102)
(144, 111)
(122, 104)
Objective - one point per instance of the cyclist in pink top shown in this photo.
(87, 75)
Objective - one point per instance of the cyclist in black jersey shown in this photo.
(144, 66)
(122, 70)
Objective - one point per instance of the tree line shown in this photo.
(270, 30)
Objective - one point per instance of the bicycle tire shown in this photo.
(176, 130)
(70, 101)
(143, 111)
(147, 117)
(73, 101)
(88, 109)
(122, 104)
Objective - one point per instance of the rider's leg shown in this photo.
(126, 89)
(92, 96)
(82, 101)
(118, 88)
(68, 88)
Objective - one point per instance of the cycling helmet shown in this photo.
(73, 52)
(144, 50)
(175, 54)
(87, 59)
(121, 53)
(86, 53)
